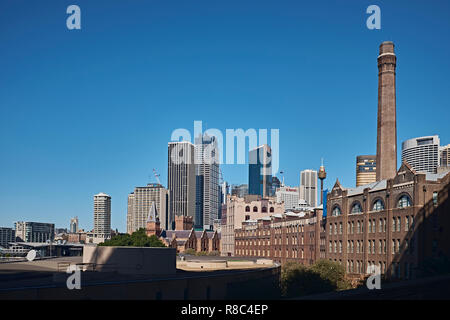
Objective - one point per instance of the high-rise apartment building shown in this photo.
(102, 217)
(207, 181)
(366, 170)
(140, 202)
(422, 153)
(308, 187)
(34, 231)
(387, 124)
(260, 171)
(181, 181)
(6, 235)
(74, 225)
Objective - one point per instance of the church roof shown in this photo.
(153, 213)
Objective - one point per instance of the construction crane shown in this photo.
(156, 175)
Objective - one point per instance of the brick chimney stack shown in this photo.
(387, 122)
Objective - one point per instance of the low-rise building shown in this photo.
(239, 210)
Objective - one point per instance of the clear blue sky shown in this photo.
(91, 110)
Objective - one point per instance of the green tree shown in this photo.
(323, 276)
(138, 238)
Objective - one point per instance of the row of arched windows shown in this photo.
(378, 205)
(263, 209)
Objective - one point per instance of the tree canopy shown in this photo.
(136, 239)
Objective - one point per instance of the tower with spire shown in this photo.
(153, 225)
(322, 176)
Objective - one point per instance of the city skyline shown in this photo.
(69, 167)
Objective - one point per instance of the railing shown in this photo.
(64, 265)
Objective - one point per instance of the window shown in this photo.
(378, 205)
(435, 198)
(340, 228)
(247, 209)
(264, 209)
(272, 209)
(336, 211)
(404, 201)
(356, 208)
(255, 209)
(399, 222)
(247, 217)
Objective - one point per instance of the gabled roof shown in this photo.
(337, 185)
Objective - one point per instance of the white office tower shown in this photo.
(181, 181)
(288, 195)
(308, 187)
(422, 153)
(74, 225)
(140, 202)
(102, 217)
(207, 181)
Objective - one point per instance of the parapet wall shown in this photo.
(131, 260)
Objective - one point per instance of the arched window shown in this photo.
(247, 209)
(356, 208)
(336, 211)
(264, 209)
(404, 202)
(378, 205)
(272, 209)
(255, 209)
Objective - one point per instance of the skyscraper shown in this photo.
(130, 207)
(422, 153)
(102, 217)
(207, 181)
(387, 126)
(140, 202)
(366, 170)
(289, 196)
(308, 187)
(74, 225)
(239, 191)
(444, 155)
(260, 171)
(181, 181)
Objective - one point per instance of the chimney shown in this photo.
(387, 124)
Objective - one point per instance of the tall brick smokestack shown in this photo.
(387, 124)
